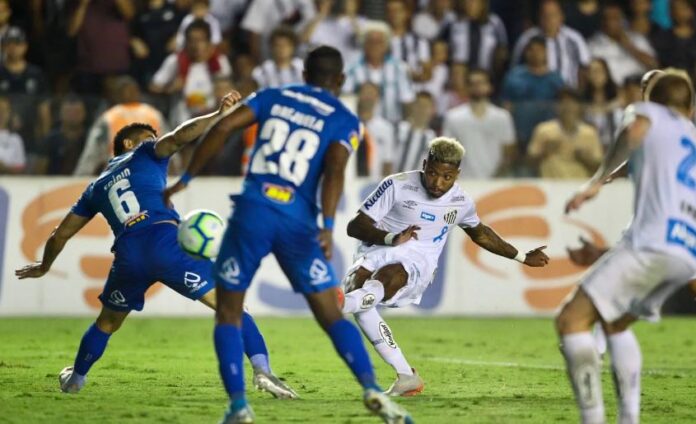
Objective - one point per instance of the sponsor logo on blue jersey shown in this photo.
(380, 191)
(279, 194)
(428, 216)
(681, 233)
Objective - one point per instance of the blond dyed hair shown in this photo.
(446, 150)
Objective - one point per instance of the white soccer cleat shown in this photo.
(268, 382)
(68, 386)
(242, 416)
(406, 385)
(380, 404)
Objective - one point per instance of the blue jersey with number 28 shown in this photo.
(297, 124)
(129, 191)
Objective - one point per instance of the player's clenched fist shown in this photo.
(536, 257)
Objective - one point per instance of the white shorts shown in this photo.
(420, 269)
(637, 282)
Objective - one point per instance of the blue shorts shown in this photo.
(146, 256)
(254, 231)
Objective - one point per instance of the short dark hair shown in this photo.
(477, 70)
(537, 39)
(425, 95)
(567, 93)
(128, 132)
(286, 32)
(635, 79)
(198, 24)
(322, 64)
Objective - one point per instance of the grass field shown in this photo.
(476, 371)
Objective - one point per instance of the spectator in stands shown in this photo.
(52, 49)
(457, 91)
(283, 67)
(190, 73)
(336, 28)
(377, 150)
(406, 45)
(227, 13)
(626, 52)
(601, 97)
(103, 41)
(429, 23)
(200, 10)
(5, 15)
(26, 88)
(379, 68)
(439, 73)
(529, 90)
(414, 134)
(12, 157)
(263, 16)
(486, 131)
(477, 38)
(566, 148)
(583, 16)
(64, 144)
(567, 52)
(676, 47)
(99, 146)
(640, 22)
(153, 38)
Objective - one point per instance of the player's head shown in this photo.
(323, 67)
(674, 89)
(130, 137)
(441, 168)
(647, 82)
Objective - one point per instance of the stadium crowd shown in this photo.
(529, 87)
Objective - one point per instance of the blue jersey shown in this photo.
(129, 192)
(297, 124)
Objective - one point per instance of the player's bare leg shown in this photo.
(255, 349)
(348, 344)
(626, 364)
(574, 325)
(92, 346)
(387, 281)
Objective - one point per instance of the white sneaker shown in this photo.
(242, 416)
(68, 386)
(390, 412)
(268, 382)
(406, 385)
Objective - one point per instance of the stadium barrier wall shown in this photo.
(470, 281)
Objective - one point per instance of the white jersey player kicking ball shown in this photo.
(403, 226)
(656, 256)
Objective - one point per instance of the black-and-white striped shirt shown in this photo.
(393, 80)
(475, 43)
(566, 52)
(268, 74)
(411, 146)
(411, 48)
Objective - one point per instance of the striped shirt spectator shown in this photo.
(429, 23)
(283, 67)
(413, 135)
(405, 45)
(567, 51)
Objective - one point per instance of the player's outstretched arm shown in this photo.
(485, 237)
(334, 172)
(70, 225)
(189, 131)
(628, 140)
(363, 228)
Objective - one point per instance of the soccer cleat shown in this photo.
(390, 412)
(406, 385)
(268, 382)
(244, 415)
(69, 384)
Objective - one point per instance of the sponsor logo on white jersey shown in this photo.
(380, 191)
(451, 216)
(427, 216)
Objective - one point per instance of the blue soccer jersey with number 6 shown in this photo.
(296, 125)
(129, 191)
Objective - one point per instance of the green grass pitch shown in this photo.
(476, 371)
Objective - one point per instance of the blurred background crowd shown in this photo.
(531, 88)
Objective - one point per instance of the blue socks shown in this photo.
(229, 347)
(91, 349)
(254, 345)
(348, 343)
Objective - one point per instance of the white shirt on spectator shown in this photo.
(484, 138)
(12, 150)
(425, 25)
(215, 32)
(340, 34)
(225, 11)
(436, 86)
(621, 63)
(269, 75)
(263, 16)
(382, 133)
(393, 79)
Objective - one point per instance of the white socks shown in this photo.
(362, 299)
(382, 338)
(600, 339)
(626, 362)
(582, 363)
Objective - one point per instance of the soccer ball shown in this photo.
(200, 234)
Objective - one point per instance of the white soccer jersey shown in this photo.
(664, 170)
(401, 201)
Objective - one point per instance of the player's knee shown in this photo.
(109, 323)
(226, 316)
